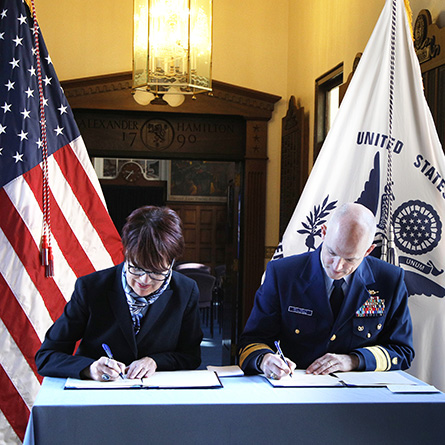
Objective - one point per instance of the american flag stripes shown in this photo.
(82, 235)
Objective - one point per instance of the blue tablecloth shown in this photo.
(246, 410)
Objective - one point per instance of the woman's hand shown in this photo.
(144, 367)
(103, 370)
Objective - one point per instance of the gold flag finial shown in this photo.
(409, 14)
(28, 2)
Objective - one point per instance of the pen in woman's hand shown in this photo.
(280, 353)
(110, 356)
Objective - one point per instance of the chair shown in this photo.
(194, 267)
(206, 283)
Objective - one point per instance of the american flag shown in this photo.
(73, 215)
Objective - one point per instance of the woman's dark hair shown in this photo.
(152, 238)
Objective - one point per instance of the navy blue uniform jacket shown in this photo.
(292, 306)
(98, 313)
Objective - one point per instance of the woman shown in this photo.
(145, 312)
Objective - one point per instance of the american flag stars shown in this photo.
(18, 40)
(6, 107)
(18, 157)
(14, 63)
(22, 19)
(20, 114)
(10, 85)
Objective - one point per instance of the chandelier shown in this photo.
(172, 50)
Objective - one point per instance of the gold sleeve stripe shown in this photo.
(247, 350)
(382, 358)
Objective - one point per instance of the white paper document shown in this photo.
(412, 389)
(374, 378)
(162, 379)
(301, 379)
(227, 371)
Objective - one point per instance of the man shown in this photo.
(373, 329)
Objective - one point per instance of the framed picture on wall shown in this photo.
(110, 168)
(198, 181)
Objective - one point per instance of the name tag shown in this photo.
(300, 310)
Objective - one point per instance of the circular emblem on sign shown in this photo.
(420, 31)
(157, 134)
(417, 227)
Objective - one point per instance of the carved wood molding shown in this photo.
(429, 40)
(244, 96)
(256, 140)
(294, 161)
(254, 235)
(98, 84)
(429, 44)
(115, 92)
(345, 85)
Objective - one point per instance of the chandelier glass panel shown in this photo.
(172, 48)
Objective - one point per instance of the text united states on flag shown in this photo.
(83, 238)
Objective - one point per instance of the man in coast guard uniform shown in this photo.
(301, 294)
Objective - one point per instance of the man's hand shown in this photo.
(103, 369)
(145, 367)
(333, 362)
(273, 367)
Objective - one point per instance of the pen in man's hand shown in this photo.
(280, 353)
(110, 355)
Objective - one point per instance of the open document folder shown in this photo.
(394, 380)
(372, 378)
(159, 380)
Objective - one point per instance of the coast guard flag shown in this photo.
(78, 228)
(383, 151)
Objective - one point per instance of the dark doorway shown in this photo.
(122, 200)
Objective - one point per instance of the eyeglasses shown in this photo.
(155, 276)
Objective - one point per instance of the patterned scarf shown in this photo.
(139, 305)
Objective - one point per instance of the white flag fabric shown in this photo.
(384, 111)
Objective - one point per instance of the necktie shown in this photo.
(337, 296)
